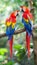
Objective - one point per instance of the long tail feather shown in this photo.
(28, 43)
(11, 45)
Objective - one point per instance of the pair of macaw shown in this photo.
(26, 20)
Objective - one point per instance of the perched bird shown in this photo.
(27, 20)
(10, 28)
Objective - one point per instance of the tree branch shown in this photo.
(17, 31)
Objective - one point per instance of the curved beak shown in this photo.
(22, 10)
(17, 13)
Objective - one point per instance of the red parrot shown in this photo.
(10, 23)
(28, 24)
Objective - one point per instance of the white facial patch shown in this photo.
(15, 13)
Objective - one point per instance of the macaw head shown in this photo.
(12, 18)
(24, 8)
(16, 13)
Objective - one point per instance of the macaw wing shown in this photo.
(27, 26)
(10, 32)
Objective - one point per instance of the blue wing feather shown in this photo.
(27, 26)
(10, 32)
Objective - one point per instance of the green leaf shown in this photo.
(17, 46)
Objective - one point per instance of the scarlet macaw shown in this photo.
(28, 24)
(10, 28)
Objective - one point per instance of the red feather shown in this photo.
(13, 16)
(28, 43)
(11, 45)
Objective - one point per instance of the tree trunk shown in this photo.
(35, 47)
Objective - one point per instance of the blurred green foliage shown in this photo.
(10, 63)
(17, 46)
(3, 42)
(21, 53)
(3, 51)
